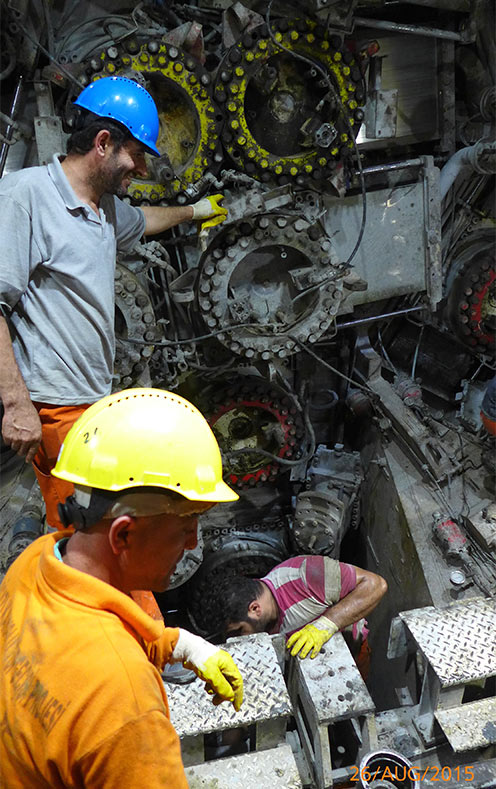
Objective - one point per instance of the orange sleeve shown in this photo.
(159, 652)
(144, 752)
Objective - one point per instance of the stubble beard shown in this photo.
(261, 625)
(115, 185)
(111, 178)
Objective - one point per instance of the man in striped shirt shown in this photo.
(309, 598)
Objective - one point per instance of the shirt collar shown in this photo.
(61, 182)
(86, 590)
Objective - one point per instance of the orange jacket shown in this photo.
(82, 703)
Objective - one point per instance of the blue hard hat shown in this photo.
(125, 101)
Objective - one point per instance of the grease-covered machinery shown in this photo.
(338, 330)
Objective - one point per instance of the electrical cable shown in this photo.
(50, 37)
(132, 28)
(37, 44)
(465, 508)
(384, 352)
(283, 461)
(308, 422)
(330, 367)
(216, 368)
(415, 355)
(137, 341)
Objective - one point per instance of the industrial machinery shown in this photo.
(337, 330)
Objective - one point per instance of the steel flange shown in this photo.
(283, 118)
(271, 283)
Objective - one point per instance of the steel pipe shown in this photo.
(415, 30)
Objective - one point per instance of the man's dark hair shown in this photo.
(233, 597)
(86, 127)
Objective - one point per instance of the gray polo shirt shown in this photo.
(57, 263)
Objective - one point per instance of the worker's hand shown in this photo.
(311, 637)
(208, 213)
(21, 429)
(213, 665)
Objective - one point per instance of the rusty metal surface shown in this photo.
(470, 725)
(275, 768)
(265, 694)
(459, 641)
(331, 683)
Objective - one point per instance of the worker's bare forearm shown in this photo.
(12, 387)
(369, 590)
(161, 218)
(21, 425)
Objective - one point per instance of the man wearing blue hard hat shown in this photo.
(62, 225)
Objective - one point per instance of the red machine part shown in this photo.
(477, 307)
(450, 537)
(259, 421)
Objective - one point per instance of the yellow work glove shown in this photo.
(213, 665)
(208, 212)
(311, 637)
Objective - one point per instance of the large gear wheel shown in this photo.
(254, 415)
(189, 123)
(282, 120)
(256, 276)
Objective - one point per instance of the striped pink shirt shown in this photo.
(305, 586)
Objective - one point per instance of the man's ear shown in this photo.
(102, 141)
(120, 533)
(255, 608)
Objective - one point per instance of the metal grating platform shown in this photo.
(275, 768)
(459, 641)
(470, 725)
(265, 694)
(333, 685)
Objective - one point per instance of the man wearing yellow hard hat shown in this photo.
(83, 703)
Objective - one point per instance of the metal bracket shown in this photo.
(47, 125)
(381, 112)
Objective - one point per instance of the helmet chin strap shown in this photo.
(73, 513)
(88, 505)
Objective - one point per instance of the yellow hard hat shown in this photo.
(141, 437)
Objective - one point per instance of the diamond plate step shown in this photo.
(265, 694)
(470, 725)
(325, 690)
(275, 768)
(332, 684)
(459, 640)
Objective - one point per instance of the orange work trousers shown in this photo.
(56, 421)
(489, 424)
